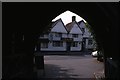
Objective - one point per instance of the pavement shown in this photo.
(57, 66)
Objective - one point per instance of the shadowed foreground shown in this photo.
(71, 66)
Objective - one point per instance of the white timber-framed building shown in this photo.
(68, 37)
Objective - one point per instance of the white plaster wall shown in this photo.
(69, 35)
(75, 29)
(56, 38)
(78, 48)
(64, 35)
(79, 38)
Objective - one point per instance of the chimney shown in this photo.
(73, 18)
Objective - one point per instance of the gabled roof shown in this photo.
(70, 25)
(51, 25)
(81, 22)
(55, 23)
(88, 31)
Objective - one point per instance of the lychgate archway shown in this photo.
(30, 19)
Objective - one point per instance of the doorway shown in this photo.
(68, 46)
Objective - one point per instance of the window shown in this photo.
(58, 34)
(57, 44)
(44, 45)
(75, 35)
(90, 42)
(74, 44)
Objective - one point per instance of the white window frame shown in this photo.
(75, 35)
(74, 44)
(57, 43)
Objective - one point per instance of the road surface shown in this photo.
(71, 66)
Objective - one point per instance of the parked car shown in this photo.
(98, 55)
(94, 54)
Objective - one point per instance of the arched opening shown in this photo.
(102, 17)
(69, 36)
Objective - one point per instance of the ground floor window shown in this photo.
(74, 44)
(90, 41)
(44, 45)
(57, 44)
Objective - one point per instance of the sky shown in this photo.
(67, 17)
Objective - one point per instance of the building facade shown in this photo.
(68, 37)
(88, 41)
(75, 33)
(54, 39)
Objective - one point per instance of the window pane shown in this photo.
(57, 43)
(75, 35)
(74, 44)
